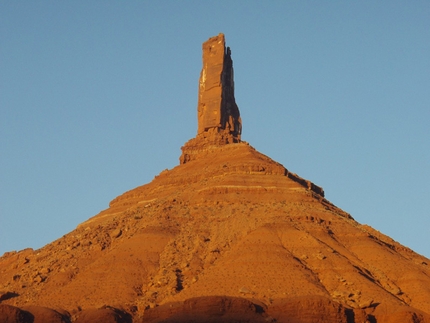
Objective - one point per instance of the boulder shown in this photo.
(12, 314)
(105, 315)
(47, 315)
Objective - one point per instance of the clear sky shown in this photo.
(97, 97)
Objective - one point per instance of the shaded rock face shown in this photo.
(105, 315)
(46, 315)
(229, 235)
(233, 309)
(12, 314)
(208, 309)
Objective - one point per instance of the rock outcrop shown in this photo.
(229, 235)
(12, 314)
(211, 309)
(104, 314)
(218, 115)
(47, 315)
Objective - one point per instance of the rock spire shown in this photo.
(218, 115)
(217, 109)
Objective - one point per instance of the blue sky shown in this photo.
(97, 97)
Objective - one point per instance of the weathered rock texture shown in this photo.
(217, 107)
(12, 314)
(218, 116)
(228, 236)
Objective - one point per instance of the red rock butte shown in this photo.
(229, 235)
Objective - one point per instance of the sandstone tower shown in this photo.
(218, 115)
(217, 109)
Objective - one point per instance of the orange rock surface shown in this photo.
(229, 235)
